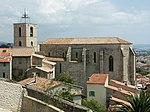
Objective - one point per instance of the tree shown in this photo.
(139, 102)
(140, 71)
(4, 46)
(94, 105)
(66, 77)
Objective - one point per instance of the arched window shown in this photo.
(20, 44)
(19, 31)
(94, 57)
(31, 31)
(31, 43)
(111, 64)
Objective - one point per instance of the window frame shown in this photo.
(92, 93)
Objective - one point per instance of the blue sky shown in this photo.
(128, 19)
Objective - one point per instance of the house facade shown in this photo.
(96, 88)
(5, 63)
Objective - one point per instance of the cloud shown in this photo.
(72, 17)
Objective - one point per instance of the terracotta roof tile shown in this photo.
(42, 83)
(120, 101)
(97, 79)
(119, 90)
(54, 59)
(96, 40)
(5, 55)
(22, 51)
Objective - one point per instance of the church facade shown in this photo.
(85, 56)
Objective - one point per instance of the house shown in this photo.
(42, 67)
(52, 87)
(96, 87)
(118, 91)
(5, 63)
(21, 60)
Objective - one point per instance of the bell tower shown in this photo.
(25, 33)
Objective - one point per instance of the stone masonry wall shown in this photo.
(10, 96)
(31, 104)
(121, 70)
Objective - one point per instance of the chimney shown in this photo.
(35, 76)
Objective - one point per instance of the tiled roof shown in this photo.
(96, 40)
(54, 59)
(5, 55)
(119, 90)
(38, 56)
(122, 84)
(22, 51)
(48, 62)
(97, 79)
(120, 101)
(41, 83)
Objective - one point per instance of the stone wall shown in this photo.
(6, 68)
(56, 101)
(20, 65)
(31, 104)
(25, 37)
(82, 69)
(10, 96)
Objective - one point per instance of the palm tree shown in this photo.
(139, 102)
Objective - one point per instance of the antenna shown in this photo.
(25, 18)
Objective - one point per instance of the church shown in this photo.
(81, 57)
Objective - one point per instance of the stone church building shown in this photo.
(85, 56)
(81, 56)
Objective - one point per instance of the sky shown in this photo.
(127, 19)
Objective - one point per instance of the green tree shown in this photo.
(140, 71)
(66, 77)
(94, 105)
(139, 102)
(4, 46)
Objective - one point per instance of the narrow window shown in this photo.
(111, 67)
(60, 67)
(76, 54)
(20, 44)
(4, 64)
(31, 31)
(91, 93)
(19, 31)
(31, 43)
(94, 57)
(49, 54)
(63, 54)
(3, 74)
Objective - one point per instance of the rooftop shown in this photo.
(5, 55)
(92, 40)
(120, 101)
(41, 83)
(54, 59)
(97, 79)
(22, 51)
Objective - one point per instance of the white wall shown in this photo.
(100, 92)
